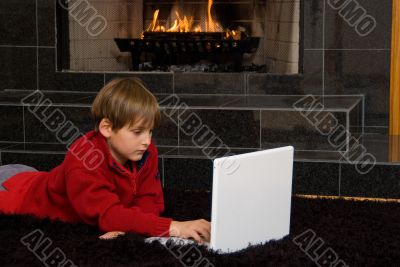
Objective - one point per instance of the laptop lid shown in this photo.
(251, 198)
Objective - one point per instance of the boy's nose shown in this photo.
(147, 140)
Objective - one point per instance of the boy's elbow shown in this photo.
(107, 225)
(156, 209)
(112, 225)
(161, 209)
(111, 220)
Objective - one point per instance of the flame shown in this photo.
(186, 23)
(235, 35)
(211, 25)
(174, 27)
(153, 26)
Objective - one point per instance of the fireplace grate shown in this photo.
(175, 48)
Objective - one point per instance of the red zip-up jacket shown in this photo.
(91, 186)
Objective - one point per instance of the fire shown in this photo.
(211, 25)
(186, 23)
(154, 26)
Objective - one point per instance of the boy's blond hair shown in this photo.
(125, 101)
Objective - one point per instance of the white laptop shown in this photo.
(251, 200)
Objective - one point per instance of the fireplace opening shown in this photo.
(205, 36)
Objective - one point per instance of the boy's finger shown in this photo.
(197, 237)
(207, 226)
(111, 235)
(205, 223)
(206, 235)
(203, 232)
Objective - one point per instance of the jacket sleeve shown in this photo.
(149, 196)
(94, 198)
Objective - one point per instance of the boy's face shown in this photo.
(128, 143)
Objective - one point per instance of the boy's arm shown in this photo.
(150, 198)
(96, 202)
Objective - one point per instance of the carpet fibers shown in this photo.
(323, 233)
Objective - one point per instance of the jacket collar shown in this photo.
(114, 164)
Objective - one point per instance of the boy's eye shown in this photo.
(140, 131)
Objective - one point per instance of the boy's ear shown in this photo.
(105, 127)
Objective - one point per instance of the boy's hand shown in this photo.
(199, 230)
(111, 235)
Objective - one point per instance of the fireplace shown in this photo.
(212, 36)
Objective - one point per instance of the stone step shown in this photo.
(214, 121)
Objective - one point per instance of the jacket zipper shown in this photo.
(133, 177)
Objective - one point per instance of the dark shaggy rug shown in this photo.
(323, 233)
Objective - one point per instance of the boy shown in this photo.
(123, 193)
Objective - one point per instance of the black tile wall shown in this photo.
(50, 79)
(353, 64)
(313, 66)
(375, 124)
(36, 129)
(18, 68)
(46, 22)
(355, 120)
(39, 161)
(163, 150)
(275, 84)
(339, 34)
(315, 178)
(346, 71)
(204, 101)
(210, 83)
(200, 153)
(360, 72)
(11, 124)
(167, 132)
(280, 128)
(311, 178)
(158, 83)
(36, 147)
(193, 174)
(223, 124)
(313, 24)
(7, 145)
(18, 22)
